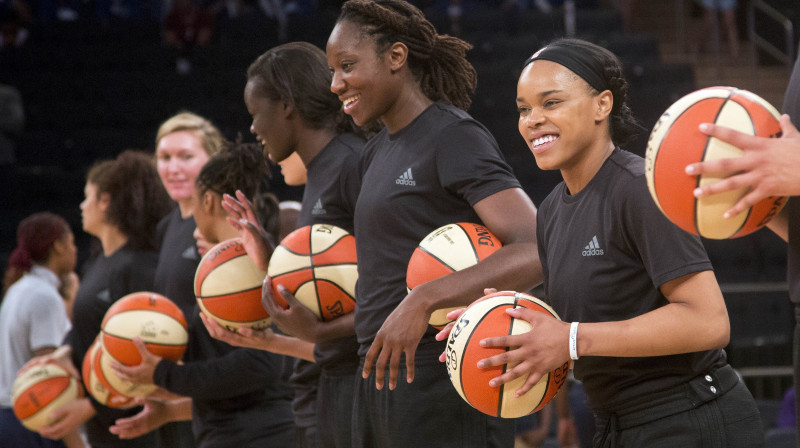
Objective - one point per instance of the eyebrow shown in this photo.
(541, 95)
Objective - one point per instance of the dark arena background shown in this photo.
(96, 78)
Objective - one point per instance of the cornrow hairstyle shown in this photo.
(437, 61)
(209, 135)
(622, 125)
(138, 198)
(297, 73)
(242, 166)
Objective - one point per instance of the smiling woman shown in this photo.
(431, 165)
(615, 264)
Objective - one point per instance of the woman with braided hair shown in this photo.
(431, 165)
(652, 318)
(238, 396)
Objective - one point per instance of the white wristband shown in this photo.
(573, 341)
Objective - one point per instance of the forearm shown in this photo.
(179, 410)
(291, 346)
(514, 267)
(695, 319)
(337, 328)
(212, 378)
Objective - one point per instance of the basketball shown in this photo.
(318, 265)
(150, 316)
(449, 248)
(97, 385)
(227, 285)
(41, 389)
(676, 142)
(488, 318)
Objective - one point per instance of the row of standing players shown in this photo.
(387, 63)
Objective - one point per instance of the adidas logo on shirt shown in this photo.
(318, 210)
(593, 248)
(406, 179)
(104, 296)
(190, 253)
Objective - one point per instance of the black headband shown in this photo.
(576, 61)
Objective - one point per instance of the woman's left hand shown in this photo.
(141, 373)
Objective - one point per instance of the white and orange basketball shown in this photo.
(150, 316)
(317, 264)
(488, 318)
(676, 142)
(449, 248)
(227, 285)
(41, 389)
(97, 385)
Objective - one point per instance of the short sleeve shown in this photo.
(49, 323)
(469, 162)
(667, 251)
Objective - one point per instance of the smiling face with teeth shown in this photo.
(368, 81)
(562, 119)
(269, 124)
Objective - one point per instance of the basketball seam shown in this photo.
(145, 342)
(437, 259)
(703, 157)
(314, 271)
(466, 345)
(505, 366)
(749, 209)
(471, 243)
(230, 293)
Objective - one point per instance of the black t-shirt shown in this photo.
(106, 280)
(791, 106)
(329, 197)
(605, 251)
(231, 388)
(177, 261)
(426, 175)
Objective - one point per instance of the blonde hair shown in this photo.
(210, 137)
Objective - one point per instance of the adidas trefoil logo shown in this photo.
(318, 210)
(593, 248)
(406, 179)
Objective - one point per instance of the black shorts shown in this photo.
(714, 410)
(427, 412)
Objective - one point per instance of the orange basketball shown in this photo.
(41, 389)
(318, 265)
(227, 285)
(676, 142)
(488, 318)
(96, 383)
(449, 248)
(150, 316)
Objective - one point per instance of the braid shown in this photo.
(623, 125)
(238, 166)
(438, 61)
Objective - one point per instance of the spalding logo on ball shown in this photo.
(318, 265)
(488, 318)
(676, 142)
(449, 248)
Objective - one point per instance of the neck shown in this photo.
(112, 239)
(405, 110)
(577, 177)
(225, 231)
(185, 206)
(312, 142)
